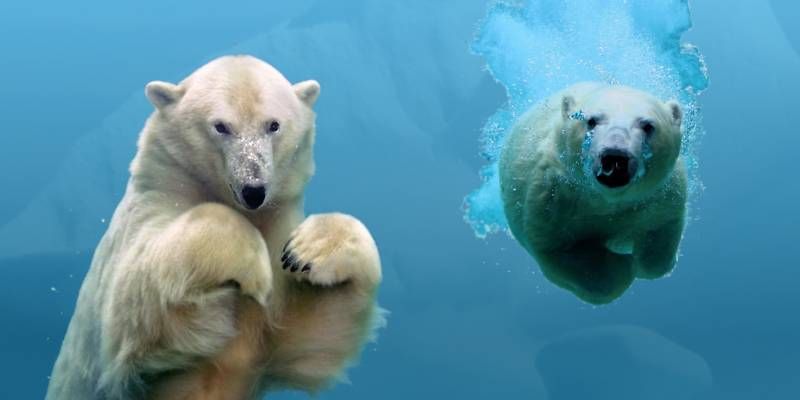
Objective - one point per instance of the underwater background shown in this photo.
(399, 144)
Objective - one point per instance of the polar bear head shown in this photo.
(625, 141)
(239, 127)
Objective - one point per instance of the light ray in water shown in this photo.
(535, 48)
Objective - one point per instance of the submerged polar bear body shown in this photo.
(594, 188)
(210, 281)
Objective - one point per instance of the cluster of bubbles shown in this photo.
(535, 48)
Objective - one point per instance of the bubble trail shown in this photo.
(535, 48)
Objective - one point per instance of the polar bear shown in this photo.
(593, 186)
(210, 282)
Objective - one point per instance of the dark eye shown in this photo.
(591, 123)
(648, 127)
(273, 127)
(222, 129)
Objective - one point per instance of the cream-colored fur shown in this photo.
(187, 297)
(588, 238)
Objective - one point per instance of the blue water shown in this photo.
(404, 100)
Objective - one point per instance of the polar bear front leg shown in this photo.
(655, 252)
(327, 249)
(212, 245)
(333, 269)
(589, 270)
(175, 300)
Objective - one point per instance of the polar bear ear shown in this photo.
(675, 112)
(307, 91)
(163, 94)
(567, 105)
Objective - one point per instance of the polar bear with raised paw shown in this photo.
(190, 294)
(594, 188)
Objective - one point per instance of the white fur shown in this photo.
(186, 297)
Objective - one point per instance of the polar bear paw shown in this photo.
(252, 275)
(328, 249)
(211, 247)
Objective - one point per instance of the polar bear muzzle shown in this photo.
(249, 164)
(616, 168)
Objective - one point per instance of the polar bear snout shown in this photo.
(249, 164)
(616, 167)
(253, 196)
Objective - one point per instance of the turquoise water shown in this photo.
(399, 144)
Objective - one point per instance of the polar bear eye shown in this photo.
(221, 128)
(273, 127)
(648, 128)
(591, 123)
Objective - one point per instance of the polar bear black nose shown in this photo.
(617, 168)
(254, 196)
